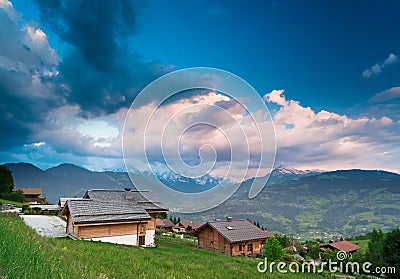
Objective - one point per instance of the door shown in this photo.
(142, 240)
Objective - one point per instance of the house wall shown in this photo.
(210, 239)
(127, 234)
(256, 246)
(129, 239)
(93, 231)
(152, 223)
(70, 227)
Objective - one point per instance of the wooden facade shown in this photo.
(32, 195)
(99, 230)
(209, 239)
(108, 216)
(231, 237)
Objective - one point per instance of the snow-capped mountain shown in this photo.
(285, 171)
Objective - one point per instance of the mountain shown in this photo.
(350, 202)
(303, 203)
(66, 180)
(284, 173)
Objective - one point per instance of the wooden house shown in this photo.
(32, 195)
(231, 237)
(343, 245)
(116, 216)
(187, 226)
(164, 225)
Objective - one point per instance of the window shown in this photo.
(240, 248)
(250, 248)
(212, 243)
(229, 228)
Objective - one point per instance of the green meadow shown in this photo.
(24, 254)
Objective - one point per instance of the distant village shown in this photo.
(126, 217)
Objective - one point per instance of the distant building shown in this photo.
(187, 227)
(164, 225)
(231, 237)
(32, 195)
(343, 245)
(116, 216)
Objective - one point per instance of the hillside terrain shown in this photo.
(310, 204)
(349, 202)
(25, 254)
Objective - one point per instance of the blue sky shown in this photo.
(70, 70)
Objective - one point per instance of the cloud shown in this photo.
(386, 95)
(55, 100)
(327, 140)
(203, 128)
(102, 70)
(27, 67)
(377, 68)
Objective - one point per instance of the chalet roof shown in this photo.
(62, 201)
(236, 231)
(30, 191)
(99, 206)
(343, 245)
(269, 234)
(167, 223)
(143, 198)
(193, 224)
(164, 223)
(159, 223)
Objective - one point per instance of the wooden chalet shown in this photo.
(164, 225)
(343, 245)
(32, 195)
(231, 237)
(116, 216)
(187, 226)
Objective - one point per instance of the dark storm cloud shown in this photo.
(26, 62)
(101, 67)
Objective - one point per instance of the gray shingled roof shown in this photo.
(237, 230)
(120, 195)
(110, 205)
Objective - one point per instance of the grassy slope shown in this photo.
(18, 204)
(23, 254)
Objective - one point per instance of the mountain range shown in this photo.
(311, 203)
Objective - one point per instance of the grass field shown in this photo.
(24, 254)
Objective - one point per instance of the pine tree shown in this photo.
(374, 253)
(391, 248)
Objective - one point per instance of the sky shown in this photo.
(328, 71)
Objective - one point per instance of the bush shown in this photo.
(272, 249)
(16, 196)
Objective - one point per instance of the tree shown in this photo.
(283, 239)
(6, 180)
(272, 249)
(314, 251)
(374, 253)
(162, 215)
(391, 248)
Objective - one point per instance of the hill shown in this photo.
(66, 180)
(348, 202)
(311, 204)
(24, 254)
